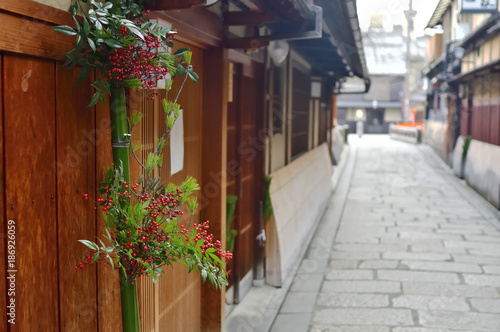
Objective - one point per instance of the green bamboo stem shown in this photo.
(120, 144)
(119, 129)
(130, 305)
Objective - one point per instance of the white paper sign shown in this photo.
(177, 145)
(479, 6)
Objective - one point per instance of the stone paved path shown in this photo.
(407, 248)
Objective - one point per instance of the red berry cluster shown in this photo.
(147, 244)
(202, 234)
(165, 204)
(149, 238)
(88, 260)
(139, 60)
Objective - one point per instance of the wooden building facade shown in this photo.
(465, 91)
(53, 150)
(479, 83)
(463, 97)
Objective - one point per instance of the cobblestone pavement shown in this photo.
(414, 250)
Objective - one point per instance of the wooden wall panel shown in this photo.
(495, 124)
(179, 294)
(37, 39)
(3, 221)
(31, 188)
(233, 162)
(177, 288)
(248, 151)
(176, 293)
(108, 284)
(137, 101)
(323, 122)
(300, 110)
(214, 155)
(476, 122)
(76, 217)
(259, 164)
(147, 304)
(464, 123)
(245, 164)
(478, 119)
(485, 122)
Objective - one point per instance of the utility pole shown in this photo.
(410, 13)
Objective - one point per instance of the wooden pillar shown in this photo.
(3, 221)
(213, 183)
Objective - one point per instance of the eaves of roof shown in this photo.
(495, 65)
(437, 16)
(340, 49)
(435, 67)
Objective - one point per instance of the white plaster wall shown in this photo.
(299, 194)
(59, 4)
(277, 152)
(457, 156)
(435, 136)
(337, 143)
(393, 115)
(482, 171)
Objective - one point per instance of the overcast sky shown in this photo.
(393, 12)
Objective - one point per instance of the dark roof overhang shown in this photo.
(434, 68)
(340, 49)
(487, 68)
(324, 32)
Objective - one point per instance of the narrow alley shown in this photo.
(404, 246)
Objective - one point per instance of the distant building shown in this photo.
(385, 53)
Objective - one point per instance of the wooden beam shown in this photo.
(32, 37)
(36, 10)
(287, 10)
(247, 42)
(197, 25)
(248, 18)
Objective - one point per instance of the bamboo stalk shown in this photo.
(119, 130)
(130, 305)
(120, 144)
